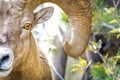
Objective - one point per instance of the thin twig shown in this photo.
(107, 25)
(116, 4)
(57, 73)
(116, 10)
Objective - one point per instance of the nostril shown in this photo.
(4, 58)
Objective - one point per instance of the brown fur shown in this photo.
(34, 67)
(29, 62)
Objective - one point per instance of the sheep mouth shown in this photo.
(6, 68)
(5, 72)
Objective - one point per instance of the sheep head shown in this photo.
(16, 23)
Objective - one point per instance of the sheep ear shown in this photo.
(43, 15)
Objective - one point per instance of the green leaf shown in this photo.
(75, 70)
(117, 57)
(113, 21)
(82, 62)
(64, 17)
(114, 31)
(112, 9)
(118, 36)
(90, 48)
(94, 43)
(76, 65)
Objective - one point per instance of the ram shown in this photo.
(20, 58)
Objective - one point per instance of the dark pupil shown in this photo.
(27, 26)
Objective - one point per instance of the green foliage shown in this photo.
(108, 70)
(64, 17)
(108, 17)
(99, 4)
(94, 46)
(104, 18)
(99, 73)
(81, 66)
(118, 53)
(116, 30)
(54, 49)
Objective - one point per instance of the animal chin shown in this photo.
(5, 72)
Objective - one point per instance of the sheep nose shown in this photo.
(4, 58)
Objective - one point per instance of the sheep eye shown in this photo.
(27, 26)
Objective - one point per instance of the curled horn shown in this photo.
(79, 14)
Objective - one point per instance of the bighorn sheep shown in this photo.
(20, 59)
